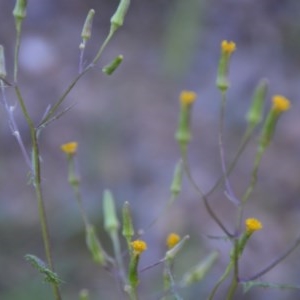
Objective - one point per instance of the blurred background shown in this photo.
(125, 126)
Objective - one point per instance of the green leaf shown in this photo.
(38, 264)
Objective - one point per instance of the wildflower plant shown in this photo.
(124, 261)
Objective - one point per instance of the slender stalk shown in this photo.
(250, 188)
(13, 125)
(220, 281)
(232, 289)
(17, 50)
(275, 262)
(81, 208)
(55, 107)
(228, 188)
(203, 197)
(241, 148)
(103, 46)
(42, 211)
(118, 256)
(160, 214)
(38, 190)
(235, 278)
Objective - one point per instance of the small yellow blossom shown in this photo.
(280, 103)
(253, 225)
(69, 148)
(228, 47)
(172, 240)
(138, 246)
(187, 97)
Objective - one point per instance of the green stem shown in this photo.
(54, 108)
(240, 150)
(38, 189)
(17, 50)
(118, 255)
(202, 195)
(275, 262)
(101, 49)
(250, 187)
(232, 289)
(228, 188)
(221, 280)
(253, 181)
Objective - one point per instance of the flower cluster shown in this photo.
(280, 103)
(253, 225)
(228, 47)
(69, 148)
(172, 240)
(187, 97)
(138, 246)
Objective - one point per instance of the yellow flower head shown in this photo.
(228, 47)
(253, 225)
(280, 103)
(187, 97)
(172, 240)
(138, 246)
(69, 148)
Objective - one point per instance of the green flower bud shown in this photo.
(170, 254)
(117, 19)
(110, 68)
(280, 104)
(227, 48)
(19, 11)
(255, 113)
(183, 133)
(128, 230)
(87, 27)
(138, 247)
(111, 222)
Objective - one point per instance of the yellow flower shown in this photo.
(69, 148)
(253, 225)
(280, 103)
(172, 240)
(228, 47)
(187, 97)
(138, 246)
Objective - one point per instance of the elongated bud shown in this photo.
(255, 113)
(138, 247)
(280, 104)
(110, 68)
(227, 48)
(2, 63)
(84, 295)
(251, 225)
(19, 11)
(198, 272)
(177, 179)
(173, 251)
(87, 28)
(128, 230)
(183, 133)
(94, 246)
(117, 19)
(111, 222)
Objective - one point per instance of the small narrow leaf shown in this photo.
(38, 264)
